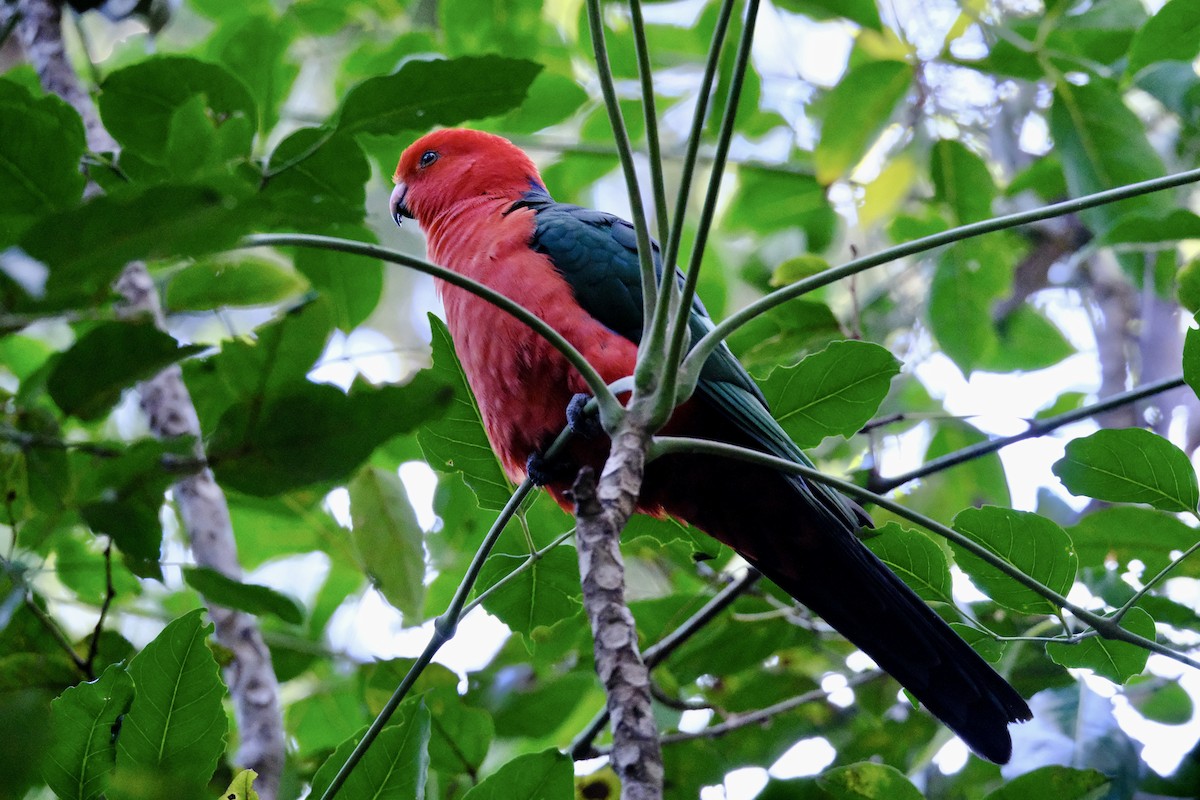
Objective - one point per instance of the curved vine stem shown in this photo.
(1105, 626)
(699, 354)
(610, 407)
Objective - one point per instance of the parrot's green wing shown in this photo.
(597, 254)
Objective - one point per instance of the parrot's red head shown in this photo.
(447, 167)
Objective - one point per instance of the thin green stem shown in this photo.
(1106, 626)
(700, 353)
(609, 406)
(1035, 429)
(653, 151)
(625, 151)
(1150, 584)
(667, 401)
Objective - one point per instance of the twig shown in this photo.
(1035, 429)
(166, 402)
(761, 715)
(636, 755)
(109, 594)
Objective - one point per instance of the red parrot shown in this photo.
(487, 215)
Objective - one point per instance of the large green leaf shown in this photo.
(215, 283)
(176, 725)
(1172, 34)
(1129, 465)
(863, 12)
(459, 735)
(1191, 359)
(516, 23)
(536, 776)
(457, 441)
(43, 142)
(249, 597)
(254, 48)
(916, 558)
(967, 281)
(1060, 783)
(867, 781)
(769, 200)
(312, 189)
(1032, 544)
(833, 392)
(546, 592)
(388, 539)
(87, 380)
(84, 751)
(317, 432)
(138, 104)
(783, 334)
(395, 766)
(351, 284)
(855, 111)
(439, 92)
(1116, 660)
(962, 181)
(1103, 145)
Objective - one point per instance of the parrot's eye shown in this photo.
(427, 158)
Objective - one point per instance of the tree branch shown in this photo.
(165, 401)
(600, 513)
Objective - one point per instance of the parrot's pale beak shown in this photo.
(398, 209)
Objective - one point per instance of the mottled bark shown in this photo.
(167, 404)
(600, 513)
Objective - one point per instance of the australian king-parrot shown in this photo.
(487, 215)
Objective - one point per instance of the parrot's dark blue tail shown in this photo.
(806, 544)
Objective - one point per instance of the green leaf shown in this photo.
(388, 539)
(552, 98)
(316, 432)
(457, 441)
(1187, 282)
(968, 279)
(43, 142)
(1168, 703)
(915, 557)
(863, 12)
(1130, 465)
(981, 642)
(254, 48)
(245, 280)
(855, 111)
(315, 180)
(515, 23)
(1116, 660)
(783, 334)
(394, 767)
(867, 781)
(249, 597)
(1032, 544)
(962, 181)
(536, 776)
(87, 380)
(176, 725)
(833, 392)
(1177, 224)
(137, 103)
(1126, 533)
(459, 736)
(351, 284)
(798, 268)
(110, 231)
(1103, 145)
(442, 92)
(768, 201)
(1191, 359)
(84, 751)
(1060, 783)
(1173, 34)
(541, 596)
(242, 786)
(1025, 341)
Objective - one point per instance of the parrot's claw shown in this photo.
(581, 422)
(542, 470)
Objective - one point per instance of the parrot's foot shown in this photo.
(542, 470)
(581, 422)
